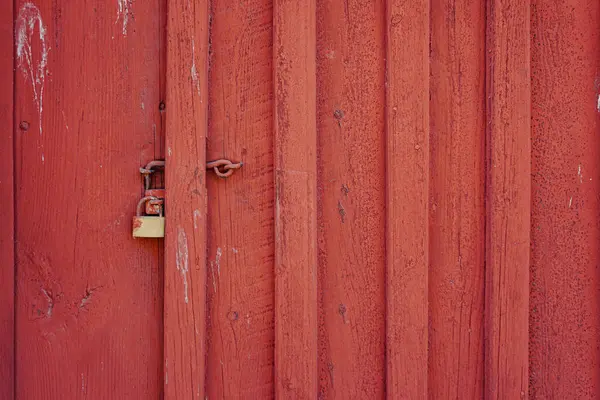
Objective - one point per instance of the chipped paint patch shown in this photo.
(194, 70)
(182, 260)
(580, 174)
(197, 216)
(598, 105)
(218, 260)
(123, 13)
(30, 16)
(50, 300)
(217, 263)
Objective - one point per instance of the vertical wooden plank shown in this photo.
(295, 200)
(407, 204)
(185, 236)
(457, 215)
(565, 216)
(7, 243)
(88, 294)
(240, 208)
(508, 195)
(351, 145)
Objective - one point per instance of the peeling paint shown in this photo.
(218, 260)
(123, 12)
(193, 69)
(50, 300)
(29, 16)
(182, 260)
(197, 216)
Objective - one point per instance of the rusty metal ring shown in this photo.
(227, 167)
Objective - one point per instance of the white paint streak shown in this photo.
(29, 16)
(43, 158)
(197, 216)
(65, 120)
(212, 272)
(82, 384)
(123, 11)
(194, 70)
(235, 251)
(218, 260)
(182, 260)
(170, 152)
(50, 303)
(570, 201)
(598, 105)
(579, 174)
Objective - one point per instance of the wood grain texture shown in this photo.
(407, 203)
(7, 205)
(457, 214)
(88, 295)
(351, 143)
(241, 215)
(185, 181)
(295, 200)
(565, 216)
(508, 199)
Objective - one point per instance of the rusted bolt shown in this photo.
(24, 125)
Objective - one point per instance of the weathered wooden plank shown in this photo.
(407, 205)
(508, 195)
(351, 145)
(457, 214)
(88, 294)
(295, 200)
(185, 237)
(7, 243)
(241, 215)
(565, 216)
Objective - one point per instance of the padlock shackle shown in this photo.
(141, 203)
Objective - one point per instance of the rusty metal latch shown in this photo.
(223, 168)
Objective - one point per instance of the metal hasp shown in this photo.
(223, 168)
(151, 225)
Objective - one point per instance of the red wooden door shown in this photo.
(416, 215)
(88, 298)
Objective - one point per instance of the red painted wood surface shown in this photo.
(457, 208)
(240, 220)
(295, 161)
(186, 112)
(508, 199)
(406, 166)
(407, 198)
(564, 312)
(7, 246)
(351, 174)
(89, 301)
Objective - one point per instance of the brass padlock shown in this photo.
(148, 226)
